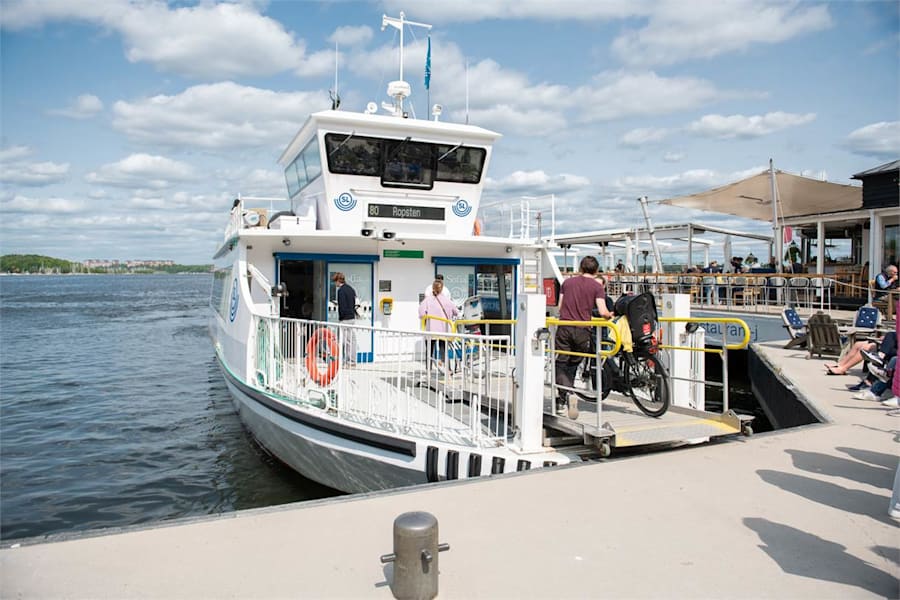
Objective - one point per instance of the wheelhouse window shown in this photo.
(408, 164)
(353, 155)
(403, 162)
(459, 164)
(303, 169)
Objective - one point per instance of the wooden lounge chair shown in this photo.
(824, 338)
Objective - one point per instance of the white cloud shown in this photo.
(673, 157)
(352, 36)
(614, 95)
(84, 107)
(642, 136)
(881, 140)
(218, 116)
(15, 170)
(14, 153)
(205, 41)
(677, 31)
(477, 10)
(511, 119)
(536, 183)
(142, 171)
(740, 126)
(667, 186)
(23, 204)
(506, 100)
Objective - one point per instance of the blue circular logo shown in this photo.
(461, 208)
(232, 312)
(345, 202)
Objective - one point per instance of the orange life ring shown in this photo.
(322, 377)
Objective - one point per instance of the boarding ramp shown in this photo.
(617, 424)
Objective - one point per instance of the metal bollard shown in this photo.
(415, 556)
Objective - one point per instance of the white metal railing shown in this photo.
(529, 217)
(732, 291)
(443, 386)
(236, 220)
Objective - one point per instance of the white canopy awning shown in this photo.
(752, 197)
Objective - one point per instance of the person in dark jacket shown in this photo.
(346, 298)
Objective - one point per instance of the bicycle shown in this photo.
(640, 373)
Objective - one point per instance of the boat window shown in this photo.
(408, 164)
(459, 164)
(353, 155)
(304, 169)
(217, 298)
(312, 161)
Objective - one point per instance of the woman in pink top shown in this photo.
(437, 304)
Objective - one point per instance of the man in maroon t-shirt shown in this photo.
(578, 296)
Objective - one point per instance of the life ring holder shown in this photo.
(324, 376)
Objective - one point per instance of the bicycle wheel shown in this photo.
(588, 375)
(649, 386)
(586, 381)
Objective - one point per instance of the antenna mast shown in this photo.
(399, 90)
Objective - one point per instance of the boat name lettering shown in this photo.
(400, 211)
(735, 331)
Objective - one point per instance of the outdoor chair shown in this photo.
(823, 336)
(867, 317)
(774, 289)
(795, 328)
(799, 290)
(821, 287)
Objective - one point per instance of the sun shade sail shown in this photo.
(752, 197)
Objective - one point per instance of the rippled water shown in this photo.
(113, 412)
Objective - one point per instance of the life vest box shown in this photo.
(287, 222)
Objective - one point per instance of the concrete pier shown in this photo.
(798, 513)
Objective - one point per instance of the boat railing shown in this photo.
(244, 216)
(454, 387)
(526, 218)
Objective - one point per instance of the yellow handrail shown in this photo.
(739, 346)
(617, 345)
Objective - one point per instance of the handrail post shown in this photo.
(724, 368)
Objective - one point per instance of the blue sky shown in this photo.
(127, 128)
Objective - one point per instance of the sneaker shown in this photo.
(855, 387)
(879, 372)
(562, 410)
(865, 395)
(872, 357)
(573, 406)
(891, 402)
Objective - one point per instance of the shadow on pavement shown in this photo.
(806, 555)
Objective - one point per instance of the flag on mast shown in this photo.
(428, 65)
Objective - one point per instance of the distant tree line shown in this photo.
(35, 263)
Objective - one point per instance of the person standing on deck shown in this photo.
(346, 299)
(578, 296)
(437, 304)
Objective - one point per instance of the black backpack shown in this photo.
(642, 316)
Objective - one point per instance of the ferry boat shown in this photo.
(390, 202)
